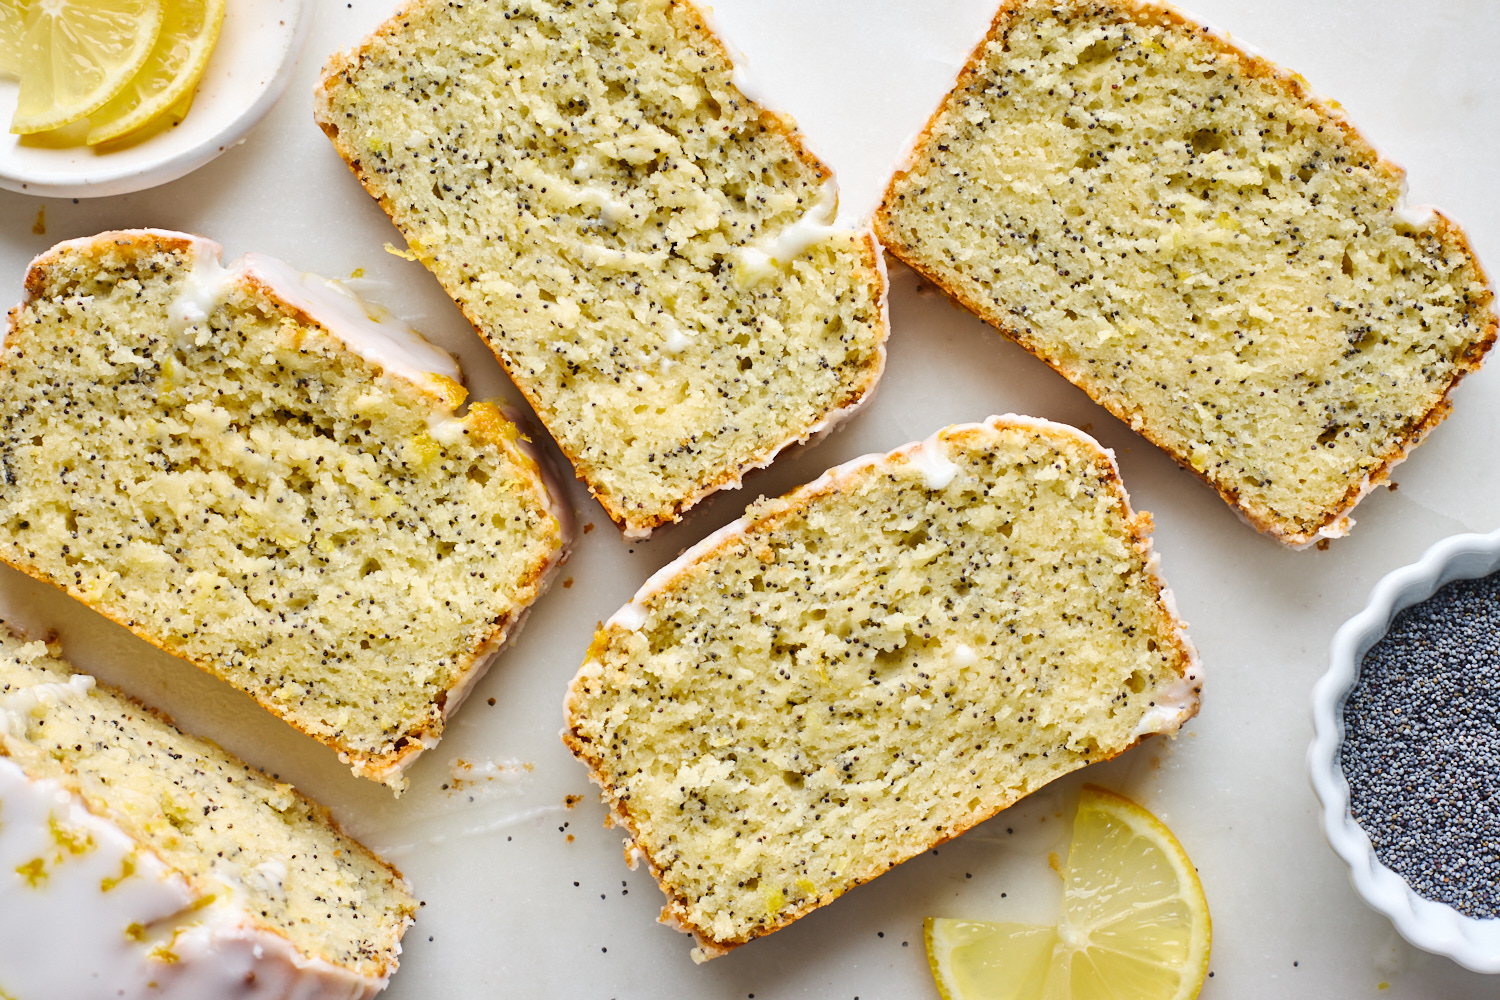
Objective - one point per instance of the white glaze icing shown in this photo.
(931, 459)
(1176, 702)
(675, 340)
(16, 705)
(205, 286)
(1224, 36)
(762, 258)
(632, 617)
(366, 330)
(92, 914)
(507, 773)
(268, 876)
(1418, 217)
(445, 430)
(1172, 705)
(964, 656)
(611, 209)
(906, 158)
(370, 332)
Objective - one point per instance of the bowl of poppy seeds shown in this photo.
(1406, 751)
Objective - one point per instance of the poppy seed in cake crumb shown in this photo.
(857, 672)
(274, 865)
(1422, 748)
(1179, 229)
(649, 254)
(252, 494)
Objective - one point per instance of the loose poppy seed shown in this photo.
(1422, 747)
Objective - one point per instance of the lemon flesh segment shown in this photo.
(1134, 926)
(1133, 908)
(12, 25)
(189, 31)
(168, 119)
(980, 960)
(77, 54)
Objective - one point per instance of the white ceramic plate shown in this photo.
(1433, 926)
(256, 55)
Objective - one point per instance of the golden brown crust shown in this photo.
(388, 767)
(317, 809)
(676, 912)
(1336, 516)
(690, 22)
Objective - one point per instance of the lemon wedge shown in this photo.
(1134, 922)
(12, 24)
(77, 54)
(189, 31)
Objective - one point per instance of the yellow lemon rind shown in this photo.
(1195, 970)
(1002, 948)
(147, 27)
(114, 123)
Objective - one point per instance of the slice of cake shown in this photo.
(168, 867)
(1209, 251)
(871, 665)
(245, 468)
(649, 254)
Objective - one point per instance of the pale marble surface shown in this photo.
(503, 915)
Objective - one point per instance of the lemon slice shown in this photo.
(189, 31)
(164, 120)
(77, 54)
(1134, 922)
(12, 24)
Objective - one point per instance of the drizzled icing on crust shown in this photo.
(87, 912)
(1179, 700)
(369, 332)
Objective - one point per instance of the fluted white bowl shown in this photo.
(1430, 925)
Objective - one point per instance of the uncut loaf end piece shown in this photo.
(867, 667)
(139, 861)
(650, 255)
(1207, 249)
(244, 468)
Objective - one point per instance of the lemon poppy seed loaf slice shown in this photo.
(137, 861)
(1208, 250)
(649, 254)
(873, 664)
(244, 468)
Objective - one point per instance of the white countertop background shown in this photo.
(527, 896)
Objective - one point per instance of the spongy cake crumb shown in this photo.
(1219, 259)
(871, 666)
(644, 249)
(250, 495)
(208, 815)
